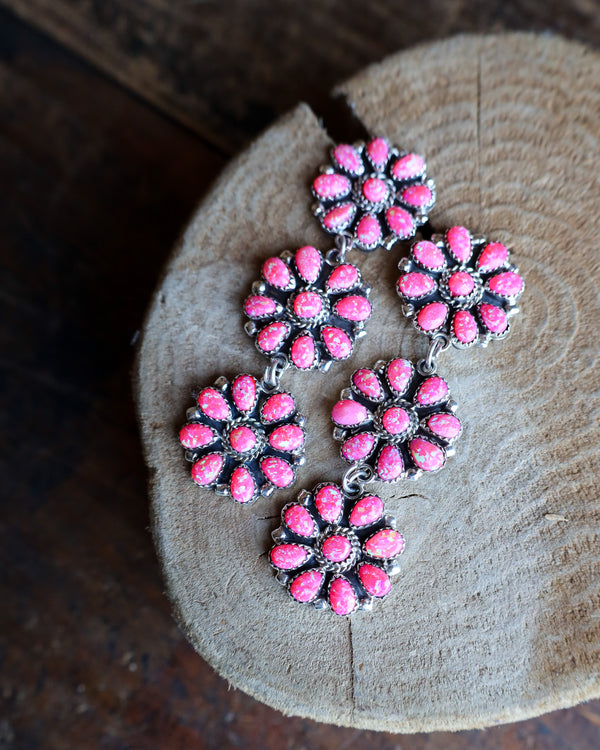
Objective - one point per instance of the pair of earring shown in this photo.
(336, 548)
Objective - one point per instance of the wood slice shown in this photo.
(495, 616)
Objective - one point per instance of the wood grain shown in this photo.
(495, 617)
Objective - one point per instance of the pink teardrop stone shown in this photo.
(207, 469)
(432, 391)
(349, 413)
(426, 455)
(378, 151)
(213, 404)
(306, 586)
(375, 580)
(464, 326)
(432, 316)
(288, 437)
(339, 217)
(342, 597)
(329, 503)
(399, 374)
(461, 284)
(414, 285)
(278, 406)
(343, 277)
(337, 342)
(458, 240)
(243, 392)
(242, 439)
(494, 318)
(277, 471)
(195, 435)
(395, 420)
(258, 306)
(368, 384)
(288, 556)
(302, 352)
(358, 447)
(271, 337)
(307, 305)
(242, 485)
(347, 157)
(276, 273)
(336, 548)
(507, 284)
(368, 230)
(428, 255)
(408, 167)
(331, 186)
(366, 511)
(375, 190)
(299, 520)
(418, 196)
(308, 263)
(492, 256)
(354, 308)
(444, 425)
(400, 222)
(385, 544)
(389, 464)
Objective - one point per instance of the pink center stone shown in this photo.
(308, 263)
(308, 305)
(213, 404)
(389, 464)
(347, 157)
(242, 485)
(302, 352)
(343, 277)
(414, 285)
(276, 273)
(399, 374)
(196, 436)
(278, 406)
(507, 284)
(242, 439)
(287, 438)
(447, 426)
(395, 420)
(426, 455)
(492, 256)
(400, 222)
(408, 167)
(349, 413)
(428, 255)
(378, 151)
(458, 240)
(342, 597)
(354, 308)
(277, 471)
(358, 447)
(271, 337)
(375, 580)
(368, 384)
(464, 327)
(336, 548)
(243, 392)
(366, 511)
(299, 520)
(331, 186)
(306, 586)
(375, 190)
(339, 218)
(419, 196)
(432, 391)
(329, 503)
(337, 342)
(494, 318)
(385, 544)
(288, 556)
(461, 284)
(368, 230)
(258, 306)
(207, 469)
(432, 316)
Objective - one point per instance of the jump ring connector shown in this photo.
(273, 372)
(343, 245)
(355, 479)
(438, 344)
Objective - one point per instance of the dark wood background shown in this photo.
(115, 118)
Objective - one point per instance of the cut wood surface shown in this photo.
(495, 616)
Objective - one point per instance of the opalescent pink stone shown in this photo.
(368, 384)
(336, 548)
(432, 316)
(288, 556)
(243, 392)
(507, 284)
(329, 503)
(358, 446)
(389, 464)
(419, 196)
(242, 439)
(447, 426)
(432, 391)
(492, 256)
(207, 469)
(271, 337)
(342, 597)
(347, 157)
(458, 240)
(242, 485)
(415, 285)
(299, 520)
(277, 471)
(408, 167)
(278, 406)
(276, 273)
(464, 326)
(399, 374)
(258, 306)
(368, 230)
(385, 544)
(494, 318)
(461, 284)
(331, 186)
(400, 222)
(307, 305)
(354, 308)
(428, 255)
(348, 413)
(426, 455)
(343, 277)
(302, 352)
(339, 217)
(395, 420)
(306, 586)
(213, 404)
(378, 151)
(287, 437)
(375, 190)
(308, 262)
(366, 511)
(337, 342)
(375, 580)
(196, 435)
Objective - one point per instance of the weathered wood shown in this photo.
(496, 614)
